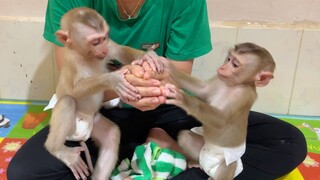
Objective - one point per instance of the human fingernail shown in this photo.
(155, 82)
(154, 100)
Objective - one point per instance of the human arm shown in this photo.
(153, 96)
(58, 55)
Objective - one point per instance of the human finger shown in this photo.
(136, 81)
(149, 91)
(146, 103)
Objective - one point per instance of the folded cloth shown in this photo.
(150, 162)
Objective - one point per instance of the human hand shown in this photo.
(149, 86)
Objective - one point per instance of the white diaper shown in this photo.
(107, 105)
(83, 130)
(111, 104)
(52, 102)
(211, 155)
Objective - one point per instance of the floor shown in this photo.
(19, 120)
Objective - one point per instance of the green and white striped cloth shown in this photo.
(150, 162)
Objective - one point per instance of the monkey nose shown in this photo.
(105, 52)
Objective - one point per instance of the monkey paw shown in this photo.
(71, 157)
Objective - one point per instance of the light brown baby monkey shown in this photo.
(83, 79)
(222, 105)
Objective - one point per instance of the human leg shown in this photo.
(273, 148)
(162, 139)
(173, 119)
(33, 161)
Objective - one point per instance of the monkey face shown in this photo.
(99, 46)
(92, 44)
(238, 68)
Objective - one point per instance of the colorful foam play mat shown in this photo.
(19, 120)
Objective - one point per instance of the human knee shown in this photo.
(16, 170)
(160, 137)
(155, 132)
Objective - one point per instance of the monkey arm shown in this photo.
(191, 84)
(205, 113)
(88, 86)
(197, 107)
(125, 54)
(108, 81)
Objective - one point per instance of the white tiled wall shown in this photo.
(306, 87)
(26, 61)
(27, 68)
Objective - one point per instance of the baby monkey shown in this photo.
(222, 105)
(83, 79)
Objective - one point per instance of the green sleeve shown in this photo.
(190, 32)
(55, 10)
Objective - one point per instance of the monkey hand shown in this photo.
(155, 62)
(126, 91)
(71, 157)
(175, 96)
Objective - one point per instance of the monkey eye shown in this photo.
(228, 59)
(95, 42)
(235, 63)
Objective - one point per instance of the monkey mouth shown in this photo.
(101, 57)
(220, 76)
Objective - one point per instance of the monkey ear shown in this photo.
(263, 78)
(62, 36)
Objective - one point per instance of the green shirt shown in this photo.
(180, 27)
